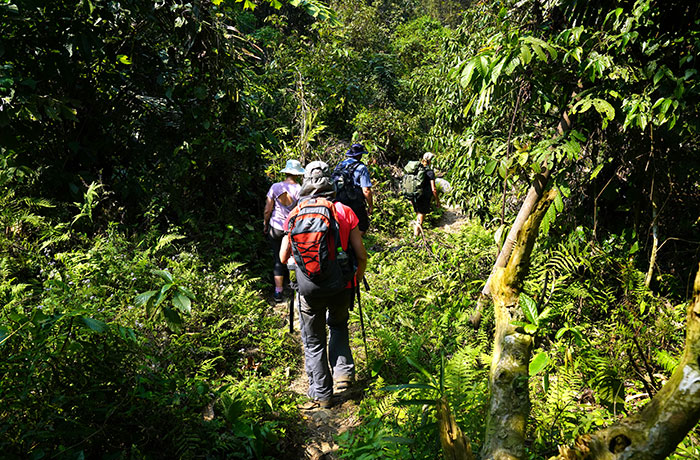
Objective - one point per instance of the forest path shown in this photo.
(323, 425)
(451, 220)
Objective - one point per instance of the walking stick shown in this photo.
(362, 322)
(290, 303)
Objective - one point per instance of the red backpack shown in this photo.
(315, 238)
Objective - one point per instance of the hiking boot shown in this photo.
(314, 404)
(343, 383)
(278, 297)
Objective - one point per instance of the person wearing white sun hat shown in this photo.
(281, 199)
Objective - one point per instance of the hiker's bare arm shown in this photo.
(435, 193)
(285, 249)
(367, 192)
(269, 205)
(360, 252)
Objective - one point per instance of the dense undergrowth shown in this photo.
(121, 345)
(604, 342)
(92, 369)
(134, 282)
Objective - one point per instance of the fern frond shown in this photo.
(666, 360)
(166, 240)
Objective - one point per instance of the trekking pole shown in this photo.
(290, 303)
(362, 324)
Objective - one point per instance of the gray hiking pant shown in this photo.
(315, 314)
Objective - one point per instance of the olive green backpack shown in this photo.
(412, 181)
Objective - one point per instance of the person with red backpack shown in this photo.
(324, 238)
(353, 185)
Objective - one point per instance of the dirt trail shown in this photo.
(324, 424)
(452, 220)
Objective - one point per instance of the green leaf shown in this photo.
(634, 248)
(414, 402)
(538, 363)
(538, 51)
(512, 65)
(187, 292)
(564, 189)
(483, 65)
(142, 298)
(502, 170)
(167, 277)
(490, 167)
(162, 294)
(605, 109)
(398, 440)
(561, 332)
(467, 74)
(558, 202)
(529, 307)
(94, 324)
(416, 386)
(182, 303)
(124, 59)
(496, 72)
(525, 55)
(658, 75)
(172, 317)
(499, 235)
(4, 333)
(530, 329)
(422, 370)
(596, 171)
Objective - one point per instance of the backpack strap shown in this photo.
(353, 168)
(349, 168)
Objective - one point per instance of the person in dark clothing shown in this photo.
(422, 205)
(361, 179)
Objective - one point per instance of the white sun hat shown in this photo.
(293, 167)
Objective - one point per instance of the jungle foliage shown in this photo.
(137, 142)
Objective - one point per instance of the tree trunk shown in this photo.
(455, 445)
(533, 195)
(510, 402)
(654, 432)
(531, 199)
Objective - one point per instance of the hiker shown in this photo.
(353, 185)
(421, 194)
(326, 298)
(281, 199)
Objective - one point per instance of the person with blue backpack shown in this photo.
(329, 257)
(353, 185)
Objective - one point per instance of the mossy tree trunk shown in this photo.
(657, 429)
(533, 196)
(510, 403)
